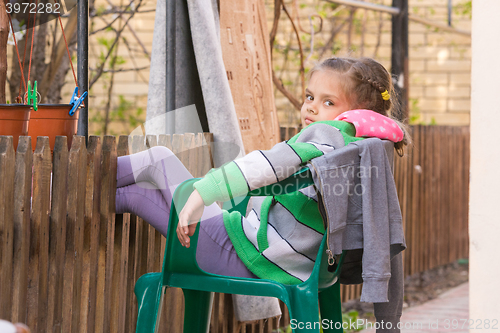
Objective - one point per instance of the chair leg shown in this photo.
(304, 314)
(197, 310)
(331, 308)
(148, 292)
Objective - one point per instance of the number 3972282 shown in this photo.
(33, 8)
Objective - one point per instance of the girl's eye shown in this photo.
(309, 98)
(329, 103)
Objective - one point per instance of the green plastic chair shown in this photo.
(181, 270)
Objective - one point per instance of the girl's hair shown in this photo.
(363, 81)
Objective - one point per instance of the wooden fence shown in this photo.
(69, 264)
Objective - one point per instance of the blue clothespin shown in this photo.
(75, 101)
(33, 96)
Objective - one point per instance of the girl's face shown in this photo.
(325, 98)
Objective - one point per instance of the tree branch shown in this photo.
(277, 13)
(301, 69)
(296, 103)
(120, 70)
(134, 34)
(118, 34)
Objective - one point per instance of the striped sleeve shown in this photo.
(263, 167)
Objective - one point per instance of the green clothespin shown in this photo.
(33, 96)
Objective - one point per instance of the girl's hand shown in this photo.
(189, 217)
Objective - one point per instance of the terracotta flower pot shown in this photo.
(14, 119)
(52, 120)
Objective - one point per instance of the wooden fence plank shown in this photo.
(74, 236)
(69, 261)
(465, 184)
(124, 299)
(91, 235)
(158, 238)
(152, 239)
(447, 194)
(420, 202)
(124, 148)
(7, 163)
(135, 240)
(165, 141)
(173, 300)
(434, 168)
(57, 233)
(189, 153)
(22, 215)
(108, 190)
(38, 292)
(208, 160)
(142, 227)
(120, 254)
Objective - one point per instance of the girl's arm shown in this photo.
(189, 216)
(264, 167)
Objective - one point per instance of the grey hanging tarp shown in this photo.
(202, 97)
(200, 79)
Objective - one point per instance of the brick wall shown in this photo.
(439, 61)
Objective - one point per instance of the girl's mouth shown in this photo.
(307, 121)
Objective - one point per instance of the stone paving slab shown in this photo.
(448, 312)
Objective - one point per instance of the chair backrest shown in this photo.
(299, 180)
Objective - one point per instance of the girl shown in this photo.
(280, 235)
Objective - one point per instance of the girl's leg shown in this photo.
(145, 184)
(157, 166)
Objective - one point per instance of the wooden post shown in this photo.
(399, 56)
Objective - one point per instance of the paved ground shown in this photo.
(447, 313)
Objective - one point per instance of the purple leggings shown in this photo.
(145, 184)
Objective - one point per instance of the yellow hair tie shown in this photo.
(386, 96)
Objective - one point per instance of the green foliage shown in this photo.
(322, 13)
(350, 317)
(464, 8)
(106, 42)
(125, 112)
(414, 111)
(337, 46)
(416, 115)
(357, 24)
(100, 10)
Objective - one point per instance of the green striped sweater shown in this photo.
(280, 236)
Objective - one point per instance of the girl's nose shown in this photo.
(311, 110)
